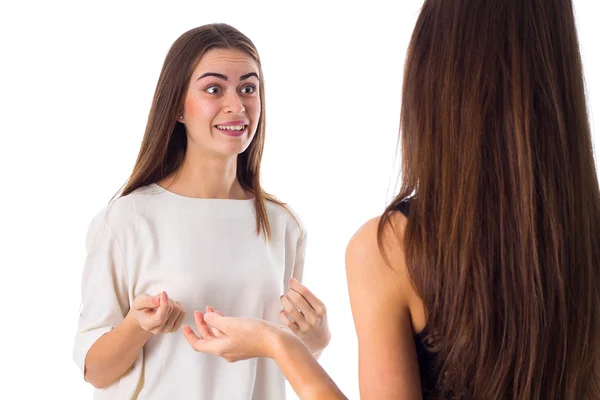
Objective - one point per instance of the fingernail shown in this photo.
(166, 297)
(156, 300)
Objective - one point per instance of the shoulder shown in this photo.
(116, 217)
(122, 209)
(375, 256)
(376, 238)
(285, 215)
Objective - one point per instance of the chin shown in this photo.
(235, 147)
(230, 151)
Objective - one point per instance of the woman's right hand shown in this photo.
(157, 314)
(233, 339)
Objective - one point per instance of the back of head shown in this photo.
(502, 237)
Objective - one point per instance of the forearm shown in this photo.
(308, 379)
(114, 353)
(316, 353)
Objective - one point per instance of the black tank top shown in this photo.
(426, 356)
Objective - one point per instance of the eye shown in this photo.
(212, 89)
(249, 89)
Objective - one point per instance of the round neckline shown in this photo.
(161, 189)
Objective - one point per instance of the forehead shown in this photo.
(223, 60)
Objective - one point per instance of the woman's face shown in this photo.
(222, 104)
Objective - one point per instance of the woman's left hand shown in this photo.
(306, 316)
(234, 339)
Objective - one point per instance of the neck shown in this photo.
(206, 176)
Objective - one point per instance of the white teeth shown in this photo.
(231, 127)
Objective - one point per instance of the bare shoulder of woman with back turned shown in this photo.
(382, 300)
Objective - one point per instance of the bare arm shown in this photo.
(114, 353)
(308, 379)
(379, 297)
(243, 338)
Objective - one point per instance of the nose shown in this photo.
(233, 104)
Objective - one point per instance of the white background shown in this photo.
(76, 84)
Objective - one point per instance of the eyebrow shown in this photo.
(221, 76)
(244, 77)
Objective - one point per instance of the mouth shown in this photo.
(232, 130)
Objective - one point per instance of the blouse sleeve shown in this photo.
(300, 256)
(103, 288)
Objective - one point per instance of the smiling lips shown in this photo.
(233, 128)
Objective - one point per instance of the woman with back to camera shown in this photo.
(191, 227)
(481, 279)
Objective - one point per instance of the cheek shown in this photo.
(199, 110)
(253, 109)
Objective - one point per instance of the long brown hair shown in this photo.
(165, 140)
(502, 239)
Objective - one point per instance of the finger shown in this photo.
(296, 315)
(218, 321)
(212, 310)
(283, 318)
(201, 345)
(145, 301)
(286, 320)
(163, 311)
(179, 320)
(189, 334)
(170, 324)
(216, 331)
(202, 327)
(313, 300)
(311, 317)
(172, 308)
(191, 337)
(300, 303)
(170, 305)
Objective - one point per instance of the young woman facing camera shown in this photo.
(193, 227)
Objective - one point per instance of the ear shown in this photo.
(180, 118)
